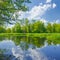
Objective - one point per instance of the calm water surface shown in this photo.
(28, 48)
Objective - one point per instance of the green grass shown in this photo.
(48, 36)
(13, 34)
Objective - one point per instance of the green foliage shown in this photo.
(2, 29)
(8, 30)
(56, 27)
(49, 28)
(24, 26)
(51, 37)
(9, 7)
(16, 28)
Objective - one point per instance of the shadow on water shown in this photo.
(28, 48)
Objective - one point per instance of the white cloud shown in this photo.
(48, 1)
(41, 3)
(44, 21)
(57, 21)
(54, 5)
(37, 11)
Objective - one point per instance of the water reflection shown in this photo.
(37, 41)
(28, 48)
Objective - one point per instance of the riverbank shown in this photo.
(48, 36)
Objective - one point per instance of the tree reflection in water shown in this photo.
(26, 48)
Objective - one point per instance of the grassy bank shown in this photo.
(48, 36)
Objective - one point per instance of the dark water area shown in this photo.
(29, 48)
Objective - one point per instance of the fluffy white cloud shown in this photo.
(37, 11)
(54, 5)
(43, 20)
(57, 21)
(48, 1)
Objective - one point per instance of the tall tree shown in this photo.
(8, 30)
(49, 28)
(27, 23)
(56, 28)
(2, 29)
(9, 7)
(16, 28)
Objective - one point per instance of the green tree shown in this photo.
(49, 28)
(26, 25)
(16, 28)
(2, 29)
(8, 30)
(9, 7)
(38, 27)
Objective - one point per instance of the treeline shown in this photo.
(32, 27)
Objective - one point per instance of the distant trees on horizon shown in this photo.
(33, 27)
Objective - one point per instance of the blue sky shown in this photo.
(45, 10)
